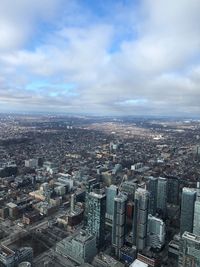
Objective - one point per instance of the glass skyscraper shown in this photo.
(162, 195)
(96, 216)
(111, 193)
(187, 209)
(152, 184)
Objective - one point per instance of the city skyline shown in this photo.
(100, 57)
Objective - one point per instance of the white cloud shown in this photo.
(149, 52)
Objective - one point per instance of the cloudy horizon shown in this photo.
(113, 57)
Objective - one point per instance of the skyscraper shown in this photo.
(189, 250)
(173, 190)
(96, 216)
(162, 195)
(152, 184)
(187, 209)
(111, 193)
(196, 224)
(90, 185)
(119, 223)
(140, 218)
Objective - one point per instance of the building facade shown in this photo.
(152, 185)
(80, 248)
(156, 232)
(187, 210)
(196, 223)
(173, 190)
(111, 193)
(140, 218)
(189, 255)
(162, 195)
(119, 223)
(96, 216)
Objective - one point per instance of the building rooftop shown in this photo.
(11, 205)
(5, 251)
(138, 263)
(99, 196)
(191, 237)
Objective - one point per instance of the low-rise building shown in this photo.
(80, 248)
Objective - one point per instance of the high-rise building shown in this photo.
(189, 254)
(129, 188)
(96, 216)
(152, 184)
(140, 218)
(155, 232)
(90, 185)
(111, 193)
(162, 195)
(187, 210)
(173, 190)
(196, 224)
(119, 223)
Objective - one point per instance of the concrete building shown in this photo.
(80, 248)
(152, 184)
(156, 232)
(173, 250)
(162, 195)
(189, 250)
(96, 216)
(104, 260)
(24, 254)
(140, 218)
(119, 223)
(150, 261)
(10, 258)
(12, 210)
(111, 193)
(7, 257)
(31, 163)
(187, 209)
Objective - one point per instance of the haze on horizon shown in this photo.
(113, 57)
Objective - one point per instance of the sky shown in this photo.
(100, 57)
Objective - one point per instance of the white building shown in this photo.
(155, 232)
(80, 248)
(138, 263)
(31, 163)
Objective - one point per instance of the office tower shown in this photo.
(196, 224)
(162, 195)
(173, 190)
(187, 209)
(189, 253)
(119, 223)
(96, 216)
(111, 193)
(152, 184)
(155, 232)
(140, 218)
